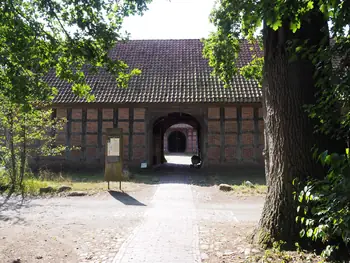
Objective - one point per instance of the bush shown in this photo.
(32, 186)
(323, 209)
(26, 132)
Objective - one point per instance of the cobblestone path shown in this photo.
(169, 232)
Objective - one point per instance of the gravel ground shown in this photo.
(75, 229)
(226, 224)
(225, 221)
(93, 228)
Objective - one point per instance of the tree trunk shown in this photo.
(13, 155)
(23, 156)
(289, 132)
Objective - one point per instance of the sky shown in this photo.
(172, 19)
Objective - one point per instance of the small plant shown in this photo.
(32, 186)
(324, 206)
(277, 245)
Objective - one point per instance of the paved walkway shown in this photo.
(169, 232)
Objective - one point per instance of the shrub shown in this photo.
(324, 205)
(32, 186)
(26, 132)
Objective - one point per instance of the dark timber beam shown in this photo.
(69, 133)
(131, 131)
(222, 135)
(239, 134)
(83, 133)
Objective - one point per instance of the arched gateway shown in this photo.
(176, 139)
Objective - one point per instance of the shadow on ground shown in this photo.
(125, 198)
(180, 173)
(10, 209)
(177, 173)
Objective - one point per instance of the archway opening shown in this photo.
(175, 139)
(177, 142)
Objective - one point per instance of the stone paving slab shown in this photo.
(169, 232)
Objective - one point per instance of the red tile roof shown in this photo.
(173, 71)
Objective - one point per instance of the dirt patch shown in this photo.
(71, 229)
(242, 182)
(29, 244)
(210, 194)
(231, 242)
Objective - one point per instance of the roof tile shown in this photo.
(173, 71)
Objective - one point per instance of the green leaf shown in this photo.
(328, 159)
(277, 24)
(322, 157)
(302, 233)
(295, 25)
(310, 5)
(309, 233)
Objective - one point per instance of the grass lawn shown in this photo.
(90, 182)
(237, 178)
(244, 181)
(94, 181)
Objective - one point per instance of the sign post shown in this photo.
(114, 156)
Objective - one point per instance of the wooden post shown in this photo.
(131, 132)
(222, 135)
(256, 133)
(83, 133)
(115, 118)
(99, 135)
(239, 134)
(69, 133)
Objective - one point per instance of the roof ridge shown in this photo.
(168, 39)
(160, 40)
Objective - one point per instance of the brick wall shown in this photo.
(235, 134)
(86, 129)
(139, 138)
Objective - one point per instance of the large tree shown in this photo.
(70, 38)
(293, 34)
(61, 35)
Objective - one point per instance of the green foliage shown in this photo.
(26, 132)
(31, 186)
(236, 19)
(323, 209)
(224, 48)
(332, 110)
(64, 36)
(254, 70)
(277, 254)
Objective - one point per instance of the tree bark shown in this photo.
(13, 155)
(23, 156)
(289, 132)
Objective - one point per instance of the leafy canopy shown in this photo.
(236, 19)
(37, 36)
